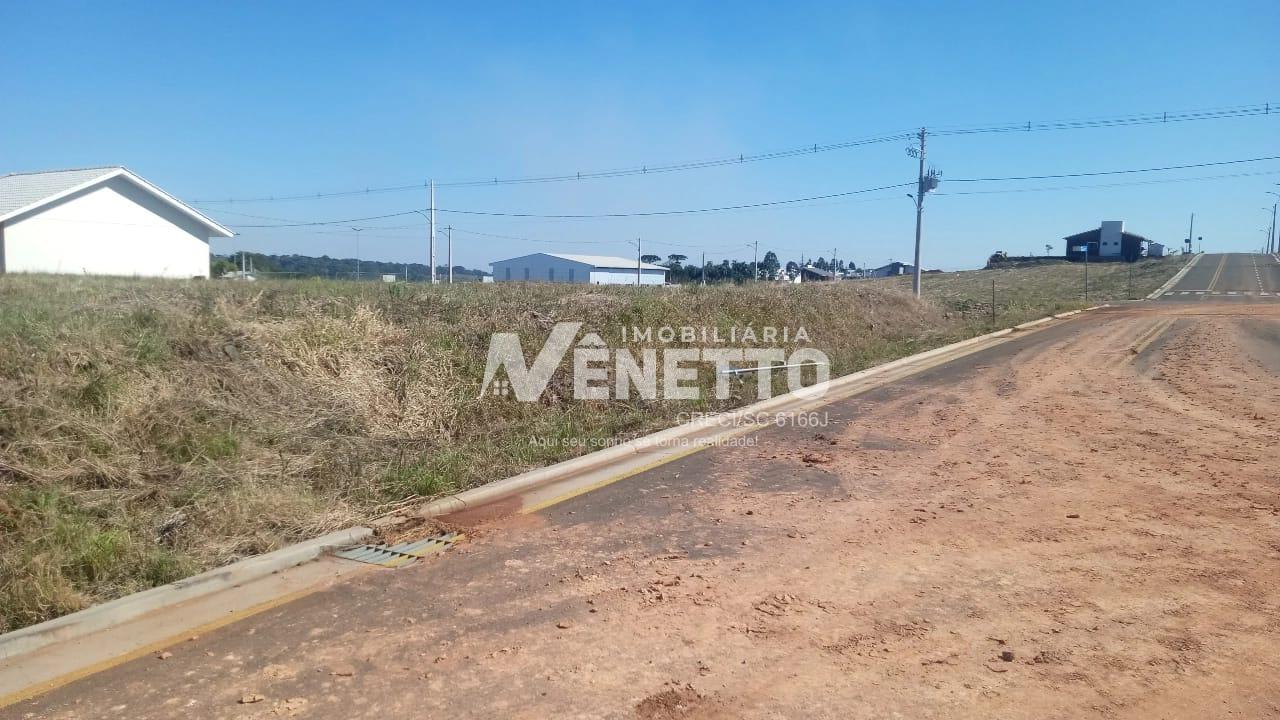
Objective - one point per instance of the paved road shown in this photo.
(1096, 502)
(1230, 277)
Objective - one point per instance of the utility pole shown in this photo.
(920, 190)
(638, 256)
(357, 251)
(755, 260)
(1271, 234)
(1191, 231)
(433, 232)
(704, 268)
(449, 253)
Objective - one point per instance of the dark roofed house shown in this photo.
(1107, 242)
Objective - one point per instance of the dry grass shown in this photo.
(152, 429)
(1036, 287)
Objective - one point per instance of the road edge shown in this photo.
(698, 429)
(110, 615)
(130, 607)
(1176, 277)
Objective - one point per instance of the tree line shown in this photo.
(306, 266)
(679, 270)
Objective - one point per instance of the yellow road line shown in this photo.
(889, 377)
(1217, 274)
(47, 686)
(1145, 341)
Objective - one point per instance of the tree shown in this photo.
(770, 265)
(675, 259)
(651, 259)
(1048, 249)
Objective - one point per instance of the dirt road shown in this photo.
(1083, 523)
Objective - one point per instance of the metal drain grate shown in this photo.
(400, 554)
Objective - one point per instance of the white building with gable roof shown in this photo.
(584, 269)
(100, 221)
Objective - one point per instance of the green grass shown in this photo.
(153, 429)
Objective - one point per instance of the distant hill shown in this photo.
(305, 266)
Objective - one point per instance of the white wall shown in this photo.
(115, 228)
(614, 276)
(1110, 240)
(540, 269)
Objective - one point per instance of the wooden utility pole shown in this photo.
(449, 254)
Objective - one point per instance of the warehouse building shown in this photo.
(583, 269)
(100, 221)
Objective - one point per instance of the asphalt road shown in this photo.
(1229, 277)
(1077, 523)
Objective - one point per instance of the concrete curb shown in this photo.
(109, 614)
(118, 612)
(694, 430)
(1176, 277)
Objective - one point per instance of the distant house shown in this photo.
(583, 269)
(1108, 242)
(891, 270)
(100, 221)
(809, 273)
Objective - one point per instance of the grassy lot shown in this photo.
(152, 429)
(1033, 288)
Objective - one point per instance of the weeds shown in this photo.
(153, 429)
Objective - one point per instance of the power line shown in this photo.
(651, 213)
(1115, 172)
(1148, 118)
(1093, 186)
(765, 204)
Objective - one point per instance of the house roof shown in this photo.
(1096, 233)
(611, 262)
(23, 192)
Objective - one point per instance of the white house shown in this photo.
(585, 269)
(100, 221)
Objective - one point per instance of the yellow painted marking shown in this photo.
(1150, 337)
(50, 685)
(889, 377)
(41, 688)
(1217, 274)
(623, 476)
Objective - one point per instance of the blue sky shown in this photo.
(243, 100)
